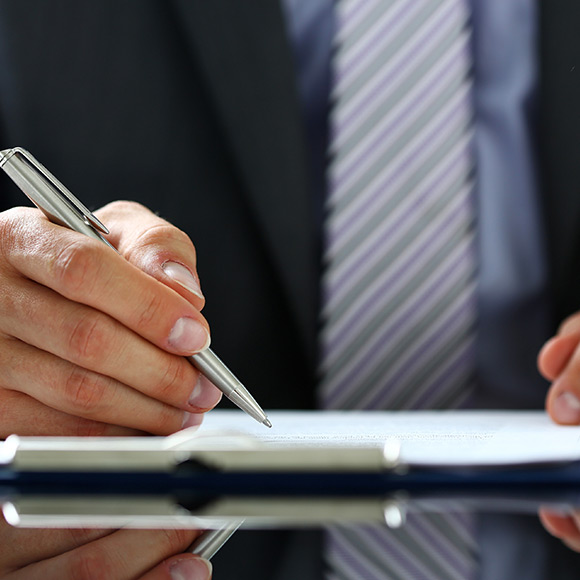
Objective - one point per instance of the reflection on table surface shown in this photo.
(299, 523)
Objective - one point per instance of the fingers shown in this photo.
(556, 353)
(94, 338)
(24, 415)
(122, 555)
(54, 398)
(91, 340)
(570, 326)
(20, 546)
(564, 527)
(82, 393)
(95, 553)
(559, 362)
(88, 272)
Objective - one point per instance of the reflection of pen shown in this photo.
(211, 541)
(61, 207)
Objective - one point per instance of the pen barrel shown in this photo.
(46, 193)
(209, 364)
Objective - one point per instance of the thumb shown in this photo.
(155, 246)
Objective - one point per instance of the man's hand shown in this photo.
(92, 342)
(565, 527)
(559, 362)
(95, 554)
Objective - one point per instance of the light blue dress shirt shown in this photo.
(514, 317)
(513, 306)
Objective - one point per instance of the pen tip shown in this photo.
(267, 422)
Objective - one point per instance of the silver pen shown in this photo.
(61, 207)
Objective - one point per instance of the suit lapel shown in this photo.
(241, 49)
(559, 144)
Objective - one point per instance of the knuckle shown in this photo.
(168, 420)
(10, 227)
(162, 233)
(570, 324)
(88, 337)
(87, 428)
(572, 370)
(89, 564)
(74, 268)
(151, 309)
(122, 206)
(175, 376)
(156, 238)
(176, 540)
(80, 536)
(84, 392)
(6, 228)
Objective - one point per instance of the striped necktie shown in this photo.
(398, 286)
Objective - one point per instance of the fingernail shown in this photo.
(191, 569)
(189, 336)
(192, 420)
(205, 395)
(182, 275)
(566, 408)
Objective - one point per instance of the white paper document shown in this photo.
(431, 438)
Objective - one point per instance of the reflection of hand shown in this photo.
(567, 528)
(95, 554)
(90, 340)
(559, 362)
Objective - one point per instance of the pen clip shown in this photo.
(56, 189)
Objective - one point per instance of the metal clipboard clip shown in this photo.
(222, 453)
(220, 516)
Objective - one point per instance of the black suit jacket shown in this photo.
(191, 108)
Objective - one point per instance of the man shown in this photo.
(193, 110)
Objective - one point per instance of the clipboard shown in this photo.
(217, 477)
